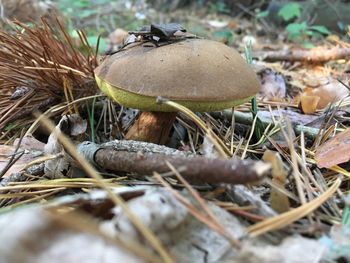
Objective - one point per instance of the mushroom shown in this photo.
(203, 75)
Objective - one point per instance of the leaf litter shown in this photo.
(162, 217)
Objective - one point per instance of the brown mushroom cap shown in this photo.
(203, 75)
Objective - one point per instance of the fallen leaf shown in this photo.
(72, 125)
(328, 91)
(31, 149)
(334, 151)
(208, 148)
(308, 103)
(30, 143)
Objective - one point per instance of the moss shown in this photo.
(147, 103)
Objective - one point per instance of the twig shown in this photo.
(317, 55)
(194, 168)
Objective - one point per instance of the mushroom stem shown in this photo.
(152, 127)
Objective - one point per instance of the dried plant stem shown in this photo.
(218, 143)
(311, 56)
(247, 118)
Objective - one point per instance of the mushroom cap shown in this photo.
(203, 75)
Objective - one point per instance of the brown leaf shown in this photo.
(29, 155)
(309, 103)
(30, 143)
(329, 91)
(334, 151)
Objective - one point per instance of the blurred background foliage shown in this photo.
(299, 21)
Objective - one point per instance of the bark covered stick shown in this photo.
(316, 55)
(193, 168)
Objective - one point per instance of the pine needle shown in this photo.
(289, 217)
(41, 59)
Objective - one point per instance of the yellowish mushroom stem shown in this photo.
(152, 126)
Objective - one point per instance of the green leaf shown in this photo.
(320, 29)
(289, 11)
(295, 30)
(81, 3)
(309, 32)
(262, 14)
(85, 13)
(224, 36)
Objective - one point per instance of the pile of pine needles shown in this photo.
(41, 66)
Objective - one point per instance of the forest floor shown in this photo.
(265, 181)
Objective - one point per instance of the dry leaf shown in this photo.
(279, 201)
(30, 143)
(31, 149)
(29, 11)
(334, 151)
(308, 103)
(72, 125)
(329, 91)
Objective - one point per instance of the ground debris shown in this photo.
(193, 168)
(54, 239)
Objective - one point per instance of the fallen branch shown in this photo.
(149, 158)
(315, 55)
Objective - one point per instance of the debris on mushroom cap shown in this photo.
(203, 75)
